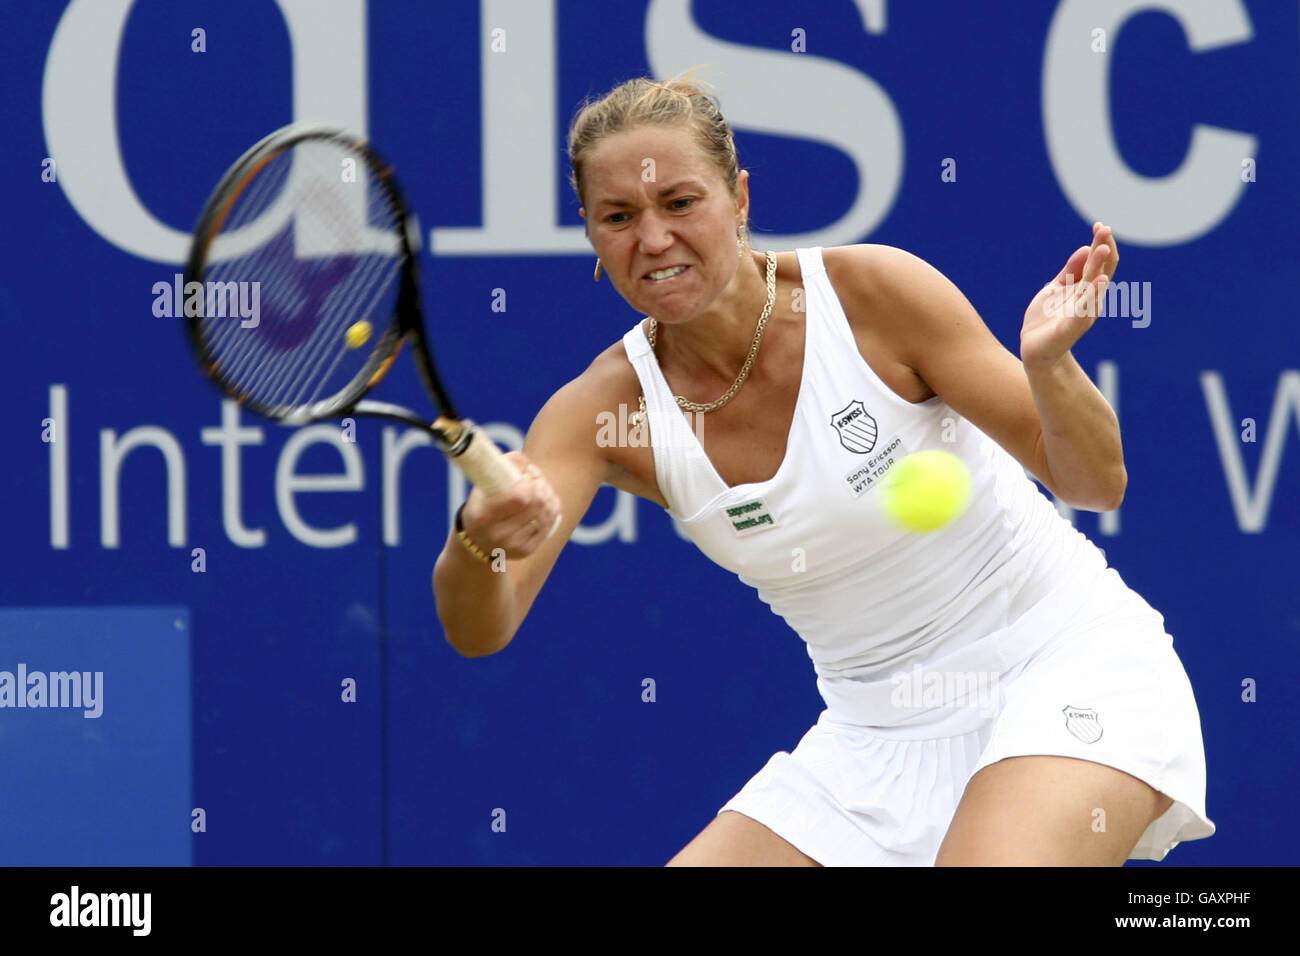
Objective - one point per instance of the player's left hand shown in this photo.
(1067, 306)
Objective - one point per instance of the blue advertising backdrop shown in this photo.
(986, 144)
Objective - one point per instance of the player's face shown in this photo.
(656, 202)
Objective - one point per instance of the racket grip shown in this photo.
(485, 465)
(489, 469)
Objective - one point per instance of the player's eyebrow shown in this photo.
(667, 190)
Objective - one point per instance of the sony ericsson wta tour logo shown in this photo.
(856, 428)
(1083, 723)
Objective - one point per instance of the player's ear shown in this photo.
(582, 211)
(742, 194)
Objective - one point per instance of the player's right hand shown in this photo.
(516, 520)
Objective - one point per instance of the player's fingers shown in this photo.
(1112, 261)
(521, 461)
(516, 498)
(492, 515)
(551, 512)
(546, 518)
(526, 538)
(515, 515)
(1073, 267)
(1088, 297)
(492, 521)
(1079, 304)
(1099, 253)
(1104, 253)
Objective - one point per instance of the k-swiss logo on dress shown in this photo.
(1083, 723)
(857, 429)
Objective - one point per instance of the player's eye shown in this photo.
(611, 220)
(687, 199)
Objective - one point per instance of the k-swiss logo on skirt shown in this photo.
(856, 428)
(1083, 723)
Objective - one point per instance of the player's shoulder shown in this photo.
(610, 378)
(881, 285)
(871, 268)
(888, 295)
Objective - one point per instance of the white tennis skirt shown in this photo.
(876, 781)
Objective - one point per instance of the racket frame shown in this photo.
(452, 433)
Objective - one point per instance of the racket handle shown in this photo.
(485, 465)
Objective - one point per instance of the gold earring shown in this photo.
(596, 277)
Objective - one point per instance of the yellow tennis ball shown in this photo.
(926, 490)
(358, 334)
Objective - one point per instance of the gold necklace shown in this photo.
(639, 415)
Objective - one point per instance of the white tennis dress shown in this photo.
(1002, 634)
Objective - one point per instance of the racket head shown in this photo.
(308, 241)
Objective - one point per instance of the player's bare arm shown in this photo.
(482, 604)
(934, 330)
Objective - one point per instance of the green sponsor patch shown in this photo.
(750, 517)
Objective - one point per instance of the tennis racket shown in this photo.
(305, 255)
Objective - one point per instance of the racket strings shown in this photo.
(368, 279)
(319, 206)
(270, 264)
(333, 259)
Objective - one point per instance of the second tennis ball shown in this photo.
(926, 490)
(358, 334)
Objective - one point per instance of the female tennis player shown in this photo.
(995, 695)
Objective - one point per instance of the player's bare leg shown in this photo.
(733, 839)
(1049, 811)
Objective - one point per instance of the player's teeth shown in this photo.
(665, 273)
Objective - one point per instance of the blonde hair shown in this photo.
(679, 101)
